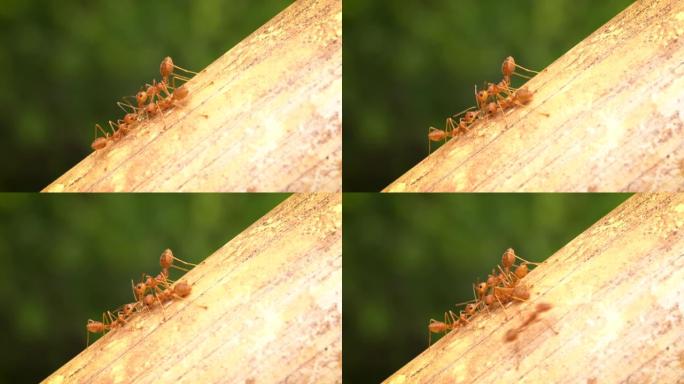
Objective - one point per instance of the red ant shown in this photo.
(508, 68)
(451, 129)
(119, 129)
(166, 69)
(442, 326)
(166, 261)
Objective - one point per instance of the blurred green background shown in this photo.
(68, 258)
(410, 64)
(66, 63)
(411, 257)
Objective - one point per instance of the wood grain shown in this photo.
(616, 119)
(617, 292)
(273, 298)
(266, 116)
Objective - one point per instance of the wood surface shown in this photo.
(615, 119)
(617, 292)
(265, 116)
(273, 298)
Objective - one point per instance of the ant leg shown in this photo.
(525, 261)
(503, 112)
(449, 127)
(126, 107)
(97, 126)
(184, 262)
(502, 306)
(133, 290)
(527, 69)
(113, 126)
(463, 111)
(523, 76)
(179, 268)
(193, 72)
(161, 305)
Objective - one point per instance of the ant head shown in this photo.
(129, 118)
(492, 280)
(508, 66)
(470, 308)
(128, 308)
(140, 288)
(141, 97)
(491, 108)
(508, 258)
(470, 116)
(481, 289)
(482, 96)
(166, 259)
(489, 300)
(166, 67)
(148, 300)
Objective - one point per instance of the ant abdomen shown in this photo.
(98, 143)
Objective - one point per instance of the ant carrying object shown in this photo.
(154, 100)
(149, 292)
(499, 289)
(495, 98)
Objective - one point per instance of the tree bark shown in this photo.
(265, 308)
(617, 306)
(266, 116)
(615, 119)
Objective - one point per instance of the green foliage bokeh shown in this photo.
(410, 64)
(411, 257)
(68, 258)
(66, 63)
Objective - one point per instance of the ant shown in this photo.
(451, 128)
(508, 260)
(119, 129)
(166, 261)
(166, 69)
(93, 326)
(442, 326)
(508, 68)
(109, 322)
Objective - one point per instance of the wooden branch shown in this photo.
(616, 119)
(273, 298)
(616, 292)
(266, 116)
